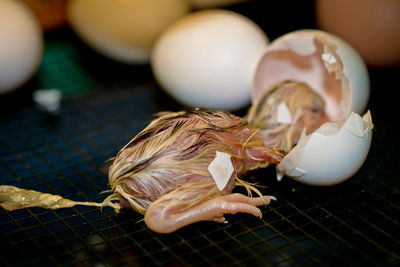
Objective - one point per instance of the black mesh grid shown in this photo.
(354, 223)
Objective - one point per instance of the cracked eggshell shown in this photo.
(323, 61)
(331, 67)
(331, 154)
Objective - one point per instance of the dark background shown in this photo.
(105, 104)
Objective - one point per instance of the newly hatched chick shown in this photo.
(283, 112)
(163, 171)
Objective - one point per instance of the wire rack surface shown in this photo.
(354, 223)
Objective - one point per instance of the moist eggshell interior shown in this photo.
(295, 56)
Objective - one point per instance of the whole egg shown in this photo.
(21, 45)
(123, 30)
(207, 59)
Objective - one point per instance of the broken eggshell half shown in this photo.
(331, 154)
(331, 67)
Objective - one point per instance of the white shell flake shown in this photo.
(221, 169)
(48, 99)
(283, 114)
(328, 58)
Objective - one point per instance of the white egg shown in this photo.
(331, 154)
(331, 67)
(122, 30)
(207, 59)
(21, 45)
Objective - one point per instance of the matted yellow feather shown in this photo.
(175, 150)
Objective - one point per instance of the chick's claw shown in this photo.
(210, 210)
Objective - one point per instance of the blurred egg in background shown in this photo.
(207, 59)
(371, 26)
(21, 44)
(123, 30)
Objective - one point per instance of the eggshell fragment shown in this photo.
(221, 169)
(283, 114)
(207, 59)
(48, 100)
(331, 154)
(326, 63)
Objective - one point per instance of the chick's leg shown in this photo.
(165, 217)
